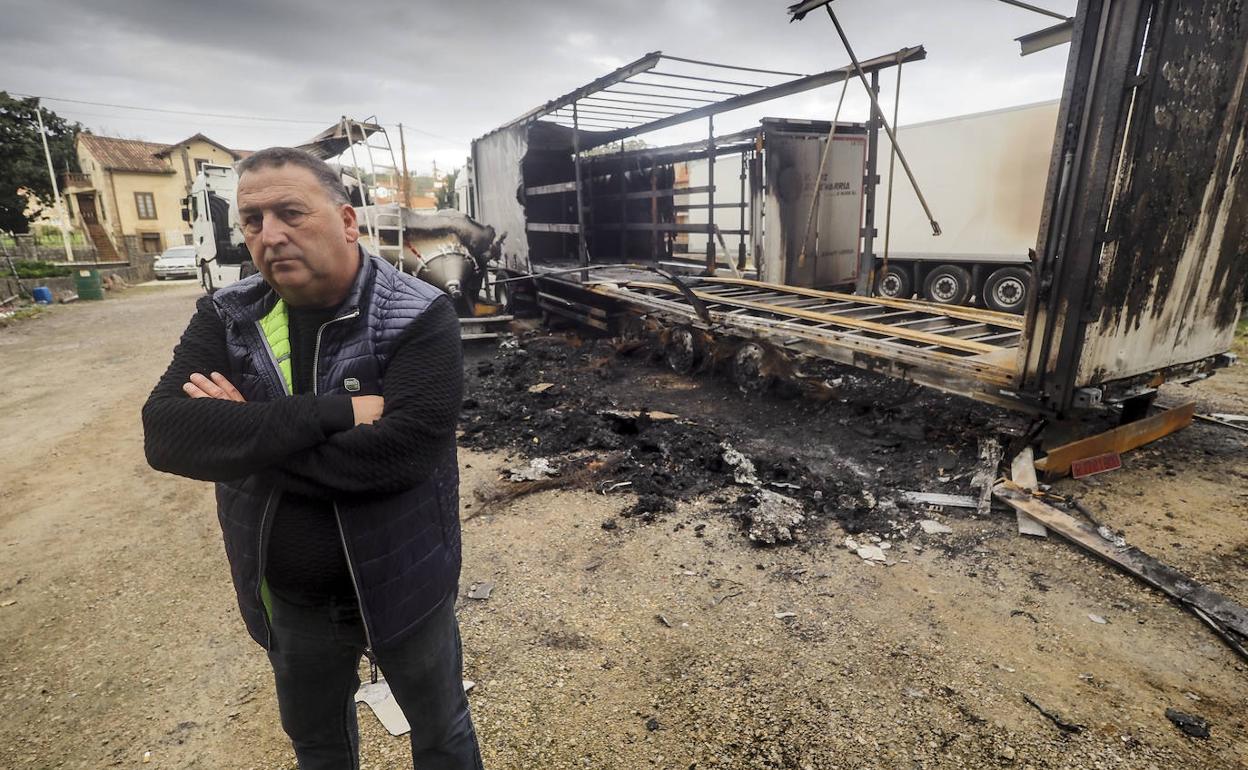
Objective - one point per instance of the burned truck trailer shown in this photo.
(652, 203)
(1140, 253)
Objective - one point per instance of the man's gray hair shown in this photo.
(273, 157)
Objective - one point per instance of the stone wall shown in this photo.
(24, 247)
(130, 273)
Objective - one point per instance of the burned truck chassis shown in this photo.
(1090, 336)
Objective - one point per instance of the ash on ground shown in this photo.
(783, 466)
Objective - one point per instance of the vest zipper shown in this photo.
(316, 349)
(264, 537)
(342, 533)
(355, 584)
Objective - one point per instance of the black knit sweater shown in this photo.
(307, 443)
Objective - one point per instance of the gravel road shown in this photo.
(673, 643)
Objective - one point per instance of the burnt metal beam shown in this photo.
(697, 228)
(566, 122)
(645, 194)
(680, 88)
(606, 112)
(552, 227)
(548, 189)
(680, 151)
(691, 206)
(710, 195)
(603, 118)
(1049, 37)
(653, 109)
(659, 96)
(1036, 8)
(668, 57)
(647, 62)
(608, 163)
(705, 80)
(797, 86)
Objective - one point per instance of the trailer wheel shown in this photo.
(684, 350)
(948, 285)
(1006, 289)
(502, 291)
(895, 283)
(749, 370)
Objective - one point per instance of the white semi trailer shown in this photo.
(984, 175)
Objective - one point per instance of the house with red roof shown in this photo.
(128, 197)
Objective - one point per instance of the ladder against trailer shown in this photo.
(373, 160)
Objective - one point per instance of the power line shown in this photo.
(217, 114)
(171, 112)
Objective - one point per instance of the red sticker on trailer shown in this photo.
(1090, 466)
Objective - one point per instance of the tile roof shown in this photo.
(126, 154)
(200, 138)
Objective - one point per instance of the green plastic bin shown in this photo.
(89, 285)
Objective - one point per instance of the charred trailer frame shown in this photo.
(1143, 246)
(563, 185)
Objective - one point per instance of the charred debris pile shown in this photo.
(579, 412)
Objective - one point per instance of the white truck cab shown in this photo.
(218, 239)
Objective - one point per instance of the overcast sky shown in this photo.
(451, 71)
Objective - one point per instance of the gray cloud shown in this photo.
(451, 71)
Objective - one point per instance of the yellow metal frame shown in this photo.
(953, 343)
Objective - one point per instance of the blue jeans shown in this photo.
(315, 654)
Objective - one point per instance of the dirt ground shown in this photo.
(625, 641)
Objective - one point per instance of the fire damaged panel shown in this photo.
(497, 159)
(1168, 287)
(792, 165)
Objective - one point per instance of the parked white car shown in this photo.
(177, 262)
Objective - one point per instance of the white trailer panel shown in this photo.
(983, 176)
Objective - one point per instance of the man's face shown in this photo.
(303, 243)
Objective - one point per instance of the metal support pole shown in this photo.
(875, 108)
(56, 190)
(741, 226)
(810, 233)
(406, 186)
(582, 253)
(892, 165)
(654, 214)
(757, 221)
(710, 195)
(623, 205)
(870, 184)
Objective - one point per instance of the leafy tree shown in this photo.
(445, 195)
(22, 164)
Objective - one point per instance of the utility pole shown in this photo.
(405, 187)
(56, 190)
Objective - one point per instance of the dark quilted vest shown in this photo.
(404, 549)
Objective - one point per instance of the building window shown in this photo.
(146, 204)
(200, 163)
(150, 242)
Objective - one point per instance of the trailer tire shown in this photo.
(1006, 289)
(501, 292)
(684, 350)
(948, 285)
(895, 283)
(749, 368)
